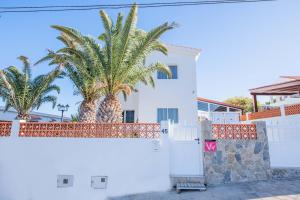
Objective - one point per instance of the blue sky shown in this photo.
(243, 45)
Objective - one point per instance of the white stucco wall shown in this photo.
(29, 167)
(178, 93)
(284, 139)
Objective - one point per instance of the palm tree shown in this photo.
(23, 93)
(81, 63)
(125, 49)
(115, 67)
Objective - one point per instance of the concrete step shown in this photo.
(190, 186)
(186, 179)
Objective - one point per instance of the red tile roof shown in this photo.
(35, 117)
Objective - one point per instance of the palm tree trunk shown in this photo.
(23, 116)
(110, 110)
(87, 111)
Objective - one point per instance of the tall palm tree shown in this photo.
(81, 63)
(112, 68)
(125, 49)
(20, 91)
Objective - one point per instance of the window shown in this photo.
(164, 114)
(217, 108)
(128, 116)
(162, 75)
(234, 110)
(202, 106)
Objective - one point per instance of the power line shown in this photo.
(33, 9)
(140, 4)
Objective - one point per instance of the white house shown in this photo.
(173, 99)
(11, 115)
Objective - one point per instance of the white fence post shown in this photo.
(282, 110)
(247, 116)
(15, 127)
(165, 130)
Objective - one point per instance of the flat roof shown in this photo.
(190, 50)
(218, 102)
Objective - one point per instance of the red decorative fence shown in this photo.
(265, 114)
(5, 129)
(90, 130)
(288, 109)
(262, 114)
(234, 131)
(292, 109)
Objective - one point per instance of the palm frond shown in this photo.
(46, 99)
(26, 66)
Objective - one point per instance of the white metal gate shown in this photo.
(186, 150)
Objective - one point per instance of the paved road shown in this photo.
(264, 190)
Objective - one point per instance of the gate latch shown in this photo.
(198, 140)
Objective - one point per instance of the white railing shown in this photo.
(220, 117)
(180, 132)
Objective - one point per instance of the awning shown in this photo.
(290, 86)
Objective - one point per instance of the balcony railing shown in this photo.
(265, 114)
(288, 110)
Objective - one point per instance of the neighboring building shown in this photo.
(276, 101)
(218, 112)
(285, 91)
(286, 99)
(34, 116)
(172, 99)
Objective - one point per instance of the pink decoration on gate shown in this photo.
(210, 146)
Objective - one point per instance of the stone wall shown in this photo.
(286, 173)
(236, 160)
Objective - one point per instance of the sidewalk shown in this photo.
(266, 190)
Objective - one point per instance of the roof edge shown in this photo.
(218, 102)
(193, 51)
(275, 84)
